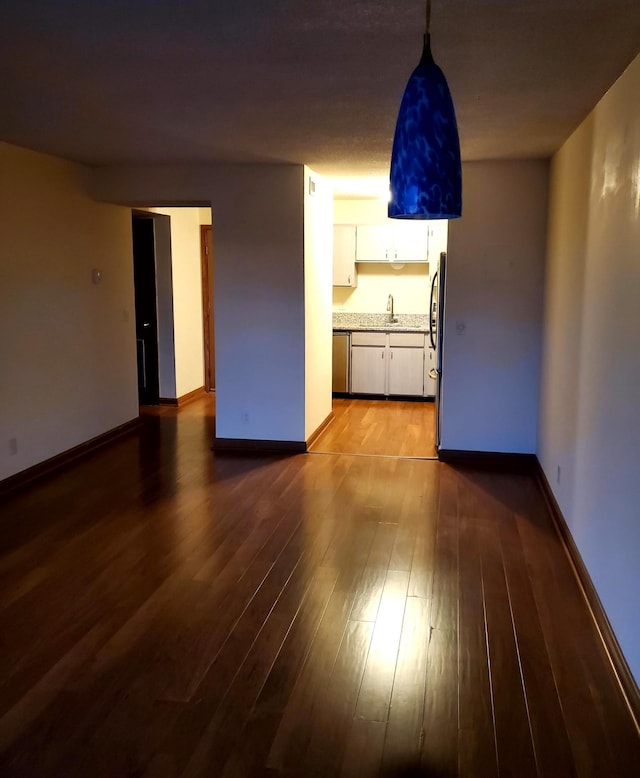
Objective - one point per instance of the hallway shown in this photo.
(167, 611)
(393, 428)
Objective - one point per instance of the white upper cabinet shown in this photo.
(401, 241)
(410, 241)
(374, 243)
(438, 235)
(344, 255)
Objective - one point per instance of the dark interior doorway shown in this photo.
(144, 275)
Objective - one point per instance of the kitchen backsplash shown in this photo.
(410, 288)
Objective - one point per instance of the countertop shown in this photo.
(407, 322)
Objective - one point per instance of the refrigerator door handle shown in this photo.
(431, 338)
(442, 270)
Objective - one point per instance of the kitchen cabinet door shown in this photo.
(410, 241)
(405, 241)
(368, 369)
(429, 365)
(438, 236)
(374, 243)
(344, 255)
(406, 371)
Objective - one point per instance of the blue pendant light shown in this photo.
(426, 175)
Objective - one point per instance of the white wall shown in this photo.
(353, 211)
(186, 275)
(204, 216)
(318, 277)
(258, 213)
(410, 286)
(493, 309)
(67, 346)
(590, 417)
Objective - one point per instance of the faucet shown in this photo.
(392, 318)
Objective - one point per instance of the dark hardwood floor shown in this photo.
(396, 428)
(166, 611)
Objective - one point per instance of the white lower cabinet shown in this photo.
(368, 369)
(429, 365)
(387, 363)
(406, 370)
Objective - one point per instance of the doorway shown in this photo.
(403, 359)
(206, 254)
(145, 289)
(378, 427)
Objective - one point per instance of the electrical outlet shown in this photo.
(13, 446)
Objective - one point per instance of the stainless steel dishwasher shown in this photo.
(340, 381)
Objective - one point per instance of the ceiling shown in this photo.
(304, 81)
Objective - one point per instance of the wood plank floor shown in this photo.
(394, 428)
(166, 611)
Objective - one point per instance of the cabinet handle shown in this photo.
(392, 355)
(382, 354)
(348, 279)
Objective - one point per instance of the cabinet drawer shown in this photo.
(368, 339)
(415, 339)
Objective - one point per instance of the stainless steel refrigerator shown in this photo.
(436, 336)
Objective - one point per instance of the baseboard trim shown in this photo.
(627, 682)
(178, 402)
(321, 428)
(238, 445)
(511, 462)
(61, 460)
(409, 398)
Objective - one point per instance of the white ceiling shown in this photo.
(306, 81)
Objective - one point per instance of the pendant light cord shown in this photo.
(426, 46)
